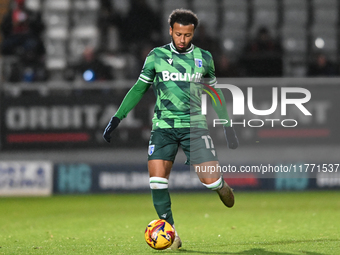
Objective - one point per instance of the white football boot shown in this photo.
(177, 242)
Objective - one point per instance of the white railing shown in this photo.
(44, 87)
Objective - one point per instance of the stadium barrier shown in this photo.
(112, 178)
(26, 178)
(43, 178)
(73, 115)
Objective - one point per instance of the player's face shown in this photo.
(182, 35)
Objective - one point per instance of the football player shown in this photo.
(176, 71)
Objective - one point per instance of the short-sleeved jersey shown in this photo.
(176, 83)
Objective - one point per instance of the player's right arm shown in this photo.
(133, 96)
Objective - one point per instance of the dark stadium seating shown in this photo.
(304, 27)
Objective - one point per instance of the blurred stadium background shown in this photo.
(55, 103)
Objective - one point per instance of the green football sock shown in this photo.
(162, 203)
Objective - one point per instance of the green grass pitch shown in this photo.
(260, 223)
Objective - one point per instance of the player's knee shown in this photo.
(216, 185)
(158, 183)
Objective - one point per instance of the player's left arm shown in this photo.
(220, 108)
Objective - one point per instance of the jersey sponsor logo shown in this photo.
(151, 149)
(167, 76)
(170, 61)
(198, 62)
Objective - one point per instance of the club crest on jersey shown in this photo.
(198, 62)
(151, 149)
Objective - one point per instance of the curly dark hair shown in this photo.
(183, 17)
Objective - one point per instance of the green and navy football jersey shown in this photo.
(176, 83)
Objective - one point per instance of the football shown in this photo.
(159, 234)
